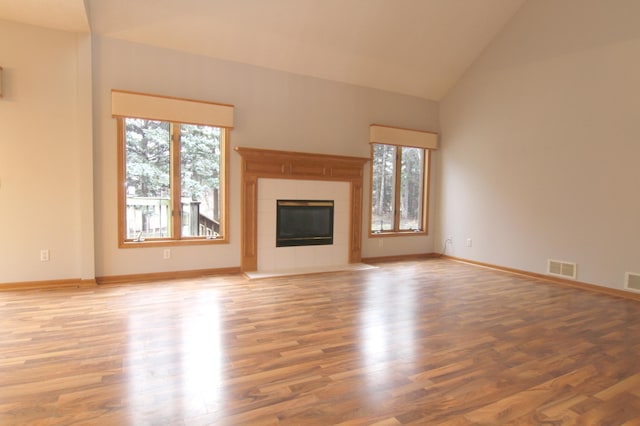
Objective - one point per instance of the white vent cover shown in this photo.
(563, 269)
(632, 282)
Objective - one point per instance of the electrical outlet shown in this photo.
(380, 243)
(469, 242)
(44, 255)
(166, 254)
(449, 240)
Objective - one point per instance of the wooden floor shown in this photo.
(420, 342)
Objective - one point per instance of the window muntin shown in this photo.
(398, 189)
(174, 182)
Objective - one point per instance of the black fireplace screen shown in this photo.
(304, 223)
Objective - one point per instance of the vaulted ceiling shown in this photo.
(413, 47)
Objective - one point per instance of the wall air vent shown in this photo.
(632, 281)
(562, 269)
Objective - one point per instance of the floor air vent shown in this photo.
(632, 282)
(563, 269)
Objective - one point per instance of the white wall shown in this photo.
(274, 110)
(46, 198)
(541, 143)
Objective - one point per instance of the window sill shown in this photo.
(397, 234)
(171, 243)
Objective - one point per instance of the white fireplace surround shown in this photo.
(274, 260)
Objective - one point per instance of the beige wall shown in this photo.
(46, 199)
(541, 141)
(273, 110)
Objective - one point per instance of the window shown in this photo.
(171, 176)
(399, 180)
(398, 188)
(172, 167)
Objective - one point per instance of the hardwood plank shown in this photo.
(418, 341)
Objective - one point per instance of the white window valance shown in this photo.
(390, 135)
(165, 108)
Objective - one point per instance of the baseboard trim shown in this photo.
(399, 258)
(160, 276)
(555, 280)
(48, 284)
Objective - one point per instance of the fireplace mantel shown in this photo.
(263, 163)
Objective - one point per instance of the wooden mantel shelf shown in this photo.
(263, 163)
(300, 165)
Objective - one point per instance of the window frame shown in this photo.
(396, 231)
(176, 239)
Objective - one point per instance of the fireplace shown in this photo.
(259, 165)
(304, 223)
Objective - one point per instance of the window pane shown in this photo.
(200, 180)
(147, 179)
(383, 187)
(411, 188)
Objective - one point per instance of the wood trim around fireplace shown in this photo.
(263, 163)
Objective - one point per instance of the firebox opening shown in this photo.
(304, 223)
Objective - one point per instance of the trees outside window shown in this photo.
(172, 175)
(398, 189)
